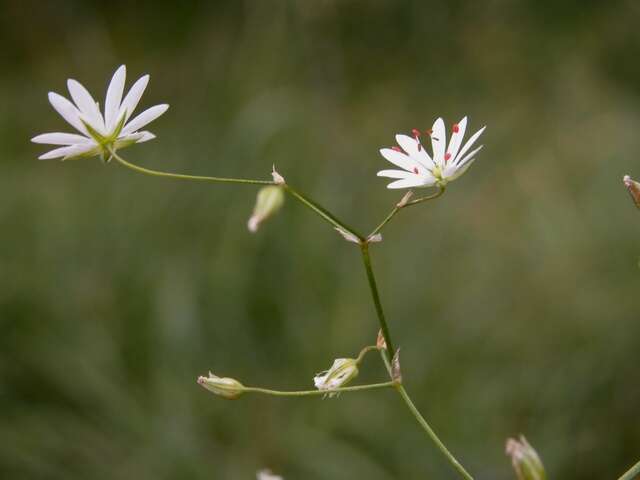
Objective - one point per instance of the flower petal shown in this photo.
(461, 170)
(130, 102)
(410, 145)
(60, 139)
(438, 141)
(468, 145)
(114, 97)
(456, 139)
(68, 111)
(410, 182)
(86, 104)
(468, 157)
(400, 159)
(69, 151)
(395, 174)
(149, 115)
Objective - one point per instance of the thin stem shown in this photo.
(157, 173)
(364, 248)
(387, 360)
(307, 393)
(364, 351)
(328, 216)
(401, 205)
(427, 428)
(631, 473)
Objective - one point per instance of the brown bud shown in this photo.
(634, 189)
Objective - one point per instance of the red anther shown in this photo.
(416, 133)
(456, 128)
(447, 156)
(415, 170)
(397, 149)
(429, 132)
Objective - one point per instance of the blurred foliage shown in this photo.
(514, 297)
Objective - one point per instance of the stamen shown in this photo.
(456, 128)
(416, 133)
(429, 132)
(447, 156)
(415, 170)
(397, 149)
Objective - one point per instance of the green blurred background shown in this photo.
(514, 297)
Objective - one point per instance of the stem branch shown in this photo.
(307, 393)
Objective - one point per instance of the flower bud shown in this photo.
(525, 460)
(634, 189)
(225, 387)
(268, 202)
(341, 372)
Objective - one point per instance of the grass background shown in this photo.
(514, 297)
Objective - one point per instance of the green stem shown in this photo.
(400, 206)
(427, 428)
(307, 393)
(631, 473)
(328, 216)
(157, 173)
(387, 360)
(366, 258)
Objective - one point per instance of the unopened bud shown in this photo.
(404, 200)
(380, 342)
(634, 189)
(525, 460)
(268, 202)
(225, 387)
(341, 372)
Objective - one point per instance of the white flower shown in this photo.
(98, 132)
(419, 169)
(267, 475)
(341, 372)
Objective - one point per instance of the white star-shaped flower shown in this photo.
(419, 169)
(98, 133)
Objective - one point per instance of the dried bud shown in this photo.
(348, 236)
(405, 199)
(277, 178)
(341, 372)
(225, 387)
(268, 202)
(525, 460)
(377, 238)
(634, 189)
(380, 343)
(396, 373)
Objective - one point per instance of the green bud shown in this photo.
(268, 202)
(525, 460)
(225, 387)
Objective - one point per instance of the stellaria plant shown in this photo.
(105, 134)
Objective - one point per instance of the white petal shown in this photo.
(468, 157)
(468, 145)
(456, 139)
(114, 97)
(68, 111)
(86, 104)
(71, 150)
(130, 102)
(60, 139)
(145, 137)
(410, 145)
(395, 174)
(149, 115)
(461, 170)
(409, 183)
(399, 159)
(438, 141)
